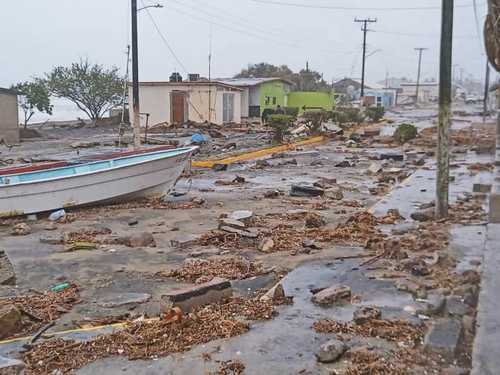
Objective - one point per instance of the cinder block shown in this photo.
(188, 299)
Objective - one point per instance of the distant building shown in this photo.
(375, 94)
(179, 102)
(259, 94)
(9, 116)
(427, 92)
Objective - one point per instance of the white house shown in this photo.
(427, 91)
(179, 102)
(9, 120)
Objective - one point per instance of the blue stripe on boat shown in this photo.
(87, 167)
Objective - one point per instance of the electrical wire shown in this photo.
(336, 7)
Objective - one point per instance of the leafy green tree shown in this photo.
(265, 70)
(93, 88)
(34, 96)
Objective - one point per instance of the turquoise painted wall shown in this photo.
(310, 99)
(272, 94)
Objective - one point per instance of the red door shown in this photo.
(178, 106)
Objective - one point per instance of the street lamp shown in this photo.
(136, 122)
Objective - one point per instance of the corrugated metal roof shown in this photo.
(245, 82)
(9, 91)
(188, 83)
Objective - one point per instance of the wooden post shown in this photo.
(136, 121)
(445, 76)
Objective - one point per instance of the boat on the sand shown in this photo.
(121, 178)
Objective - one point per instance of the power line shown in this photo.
(470, 36)
(337, 7)
(165, 41)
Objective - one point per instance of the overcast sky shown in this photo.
(36, 35)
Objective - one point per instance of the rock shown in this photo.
(266, 245)
(314, 220)
(331, 351)
(261, 164)
(272, 194)
(9, 366)
(7, 274)
(433, 305)
(310, 244)
(455, 306)
(317, 162)
(21, 229)
(144, 239)
(444, 337)
(408, 286)
(306, 191)
(242, 233)
(276, 293)
(423, 215)
(184, 241)
(10, 321)
(124, 300)
(133, 221)
(242, 215)
(343, 164)
(366, 313)
(374, 168)
(332, 295)
(219, 167)
(225, 221)
(214, 291)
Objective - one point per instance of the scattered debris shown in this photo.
(21, 229)
(331, 351)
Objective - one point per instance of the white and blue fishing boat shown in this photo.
(121, 178)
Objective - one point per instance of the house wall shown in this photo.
(425, 92)
(386, 98)
(9, 118)
(156, 101)
(272, 94)
(301, 99)
(245, 102)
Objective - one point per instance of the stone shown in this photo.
(124, 299)
(272, 194)
(261, 164)
(9, 366)
(366, 313)
(343, 164)
(408, 286)
(423, 215)
(253, 284)
(332, 295)
(331, 351)
(433, 305)
(241, 215)
(225, 221)
(133, 221)
(444, 337)
(266, 245)
(144, 239)
(219, 167)
(242, 233)
(374, 168)
(21, 229)
(7, 274)
(10, 321)
(306, 191)
(455, 306)
(214, 291)
(314, 220)
(276, 293)
(184, 241)
(310, 244)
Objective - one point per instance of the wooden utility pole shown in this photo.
(420, 51)
(486, 90)
(136, 121)
(364, 29)
(445, 73)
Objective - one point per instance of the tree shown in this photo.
(91, 87)
(304, 80)
(34, 96)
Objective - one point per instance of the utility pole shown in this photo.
(445, 72)
(210, 76)
(136, 122)
(364, 29)
(486, 90)
(420, 51)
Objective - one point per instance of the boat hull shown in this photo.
(153, 178)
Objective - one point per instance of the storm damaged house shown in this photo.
(9, 117)
(168, 102)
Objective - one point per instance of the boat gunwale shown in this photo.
(186, 150)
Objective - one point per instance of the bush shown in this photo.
(343, 115)
(316, 118)
(291, 111)
(405, 132)
(375, 114)
(280, 123)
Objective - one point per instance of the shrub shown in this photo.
(343, 115)
(280, 123)
(375, 114)
(405, 132)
